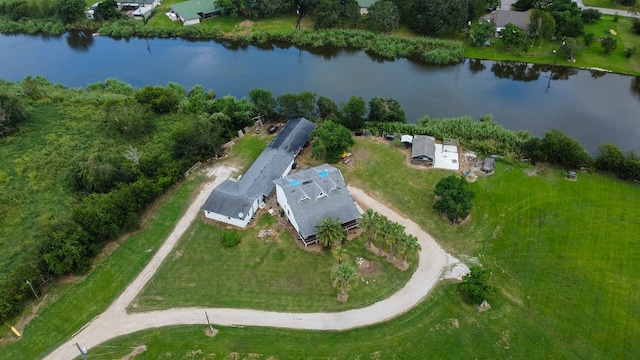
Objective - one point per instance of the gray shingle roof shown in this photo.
(233, 197)
(316, 193)
(423, 146)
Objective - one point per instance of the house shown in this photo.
(488, 164)
(311, 195)
(423, 150)
(235, 202)
(91, 11)
(500, 19)
(132, 5)
(191, 12)
(365, 5)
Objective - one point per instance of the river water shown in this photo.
(591, 106)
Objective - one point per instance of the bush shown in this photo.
(635, 27)
(455, 197)
(629, 51)
(608, 44)
(476, 285)
(231, 239)
(590, 15)
(589, 38)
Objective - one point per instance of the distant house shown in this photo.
(488, 164)
(91, 11)
(365, 5)
(191, 12)
(236, 201)
(500, 19)
(423, 150)
(310, 195)
(132, 5)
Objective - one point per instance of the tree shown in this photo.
(571, 48)
(512, 37)
(199, 139)
(129, 118)
(291, 106)
(482, 33)
(353, 112)
(409, 247)
(383, 16)
(476, 285)
(12, 111)
(330, 140)
(568, 16)
(107, 10)
(64, 248)
(230, 7)
(263, 102)
(558, 148)
(344, 277)
(69, 10)
(396, 233)
(333, 13)
(434, 17)
(330, 232)
(327, 109)
(369, 222)
(591, 15)
(160, 99)
(386, 110)
(455, 197)
(340, 253)
(608, 44)
(627, 2)
(542, 25)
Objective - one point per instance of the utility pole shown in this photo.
(208, 322)
(83, 351)
(32, 290)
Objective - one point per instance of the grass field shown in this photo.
(563, 255)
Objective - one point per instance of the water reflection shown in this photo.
(476, 65)
(79, 40)
(520, 71)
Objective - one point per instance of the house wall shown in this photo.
(282, 201)
(190, 22)
(242, 223)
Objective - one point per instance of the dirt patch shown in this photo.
(211, 332)
(247, 24)
(135, 352)
(532, 172)
(178, 255)
(369, 268)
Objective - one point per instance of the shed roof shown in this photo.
(316, 193)
(190, 10)
(366, 3)
(501, 18)
(233, 197)
(423, 146)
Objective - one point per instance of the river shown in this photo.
(591, 106)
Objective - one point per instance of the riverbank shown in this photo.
(402, 44)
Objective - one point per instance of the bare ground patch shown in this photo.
(135, 352)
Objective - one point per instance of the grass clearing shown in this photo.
(272, 274)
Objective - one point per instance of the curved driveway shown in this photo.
(116, 322)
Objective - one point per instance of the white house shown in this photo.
(308, 196)
(235, 202)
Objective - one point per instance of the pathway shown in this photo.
(115, 321)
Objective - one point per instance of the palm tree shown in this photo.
(410, 248)
(344, 277)
(368, 222)
(384, 231)
(396, 233)
(340, 253)
(330, 232)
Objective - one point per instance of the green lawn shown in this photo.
(592, 57)
(563, 255)
(259, 274)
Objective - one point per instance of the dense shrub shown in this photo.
(476, 285)
(162, 100)
(591, 15)
(635, 27)
(454, 197)
(230, 238)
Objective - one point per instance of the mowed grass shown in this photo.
(269, 274)
(563, 255)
